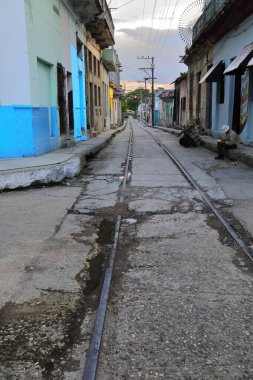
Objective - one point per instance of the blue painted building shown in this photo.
(235, 50)
(43, 72)
(158, 92)
(220, 64)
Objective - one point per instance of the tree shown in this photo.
(183, 75)
(131, 100)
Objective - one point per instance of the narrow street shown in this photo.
(181, 299)
(126, 177)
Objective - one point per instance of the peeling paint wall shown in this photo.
(197, 102)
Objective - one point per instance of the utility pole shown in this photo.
(153, 93)
(150, 60)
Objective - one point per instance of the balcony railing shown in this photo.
(87, 9)
(96, 16)
(114, 78)
(209, 14)
(106, 15)
(110, 59)
(102, 28)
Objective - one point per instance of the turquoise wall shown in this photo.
(29, 120)
(16, 132)
(26, 131)
(169, 111)
(79, 98)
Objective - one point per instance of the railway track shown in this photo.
(248, 251)
(93, 355)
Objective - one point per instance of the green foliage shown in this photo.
(183, 75)
(133, 98)
(123, 104)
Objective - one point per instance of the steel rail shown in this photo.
(247, 250)
(94, 349)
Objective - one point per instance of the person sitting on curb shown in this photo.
(230, 141)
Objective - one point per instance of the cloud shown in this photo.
(165, 45)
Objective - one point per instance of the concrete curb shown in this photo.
(234, 155)
(210, 143)
(55, 173)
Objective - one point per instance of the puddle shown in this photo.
(129, 177)
(91, 277)
(240, 260)
(105, 234)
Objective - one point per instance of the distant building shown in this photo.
(116, 94)
(180, 98)
(157, 93)
(166, 108)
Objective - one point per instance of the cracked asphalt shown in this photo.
(181, 299)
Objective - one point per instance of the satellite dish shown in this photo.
(188, 19)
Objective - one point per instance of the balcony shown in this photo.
(118, 92)
(87, 10)
(114, 79)
(220, 17)
(97, 18)
(109, 59)
(102, 28)
(211, 11)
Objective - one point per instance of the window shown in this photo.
(95, 96)
(79, 47)
(99, 96)
(98, 68)
(183, 103)
(95, 65)
(90, 61)
(191, 96)
(221, 90)
(198, 105)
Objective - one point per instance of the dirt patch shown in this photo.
(44, 330)
(40, 330)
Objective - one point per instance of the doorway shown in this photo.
(62, 101)
(70, 103)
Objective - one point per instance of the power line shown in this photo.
(164, 21)
(151, 27)
(125, 4)
(142, 24)
(161, 18)
(166, 35)
(129, 70)
(129, 73)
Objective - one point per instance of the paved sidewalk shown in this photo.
(243, 153)
(54, 166)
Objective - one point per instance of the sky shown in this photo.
(150, 28)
